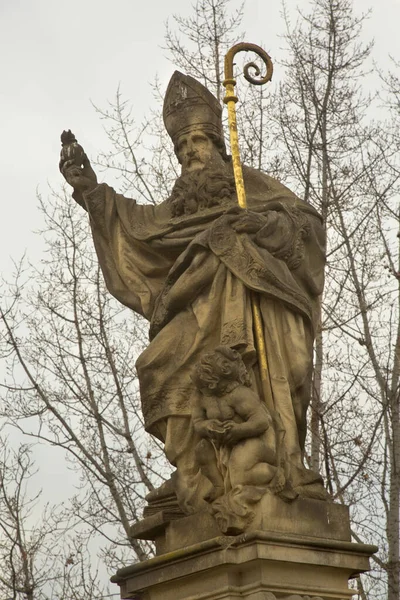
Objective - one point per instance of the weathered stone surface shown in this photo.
(307, 517)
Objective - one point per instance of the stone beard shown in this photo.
(202, 189)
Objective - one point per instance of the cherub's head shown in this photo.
(216, 371)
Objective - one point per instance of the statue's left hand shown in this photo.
(249, 222)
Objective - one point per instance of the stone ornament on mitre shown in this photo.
(188, 105)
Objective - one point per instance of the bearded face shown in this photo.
(195, 150)
(206, 179)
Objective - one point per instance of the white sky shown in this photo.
(57, 57)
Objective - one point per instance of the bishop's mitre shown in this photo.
(189, 105)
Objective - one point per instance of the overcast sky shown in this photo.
(57, 57)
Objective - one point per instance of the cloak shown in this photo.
(191, 275)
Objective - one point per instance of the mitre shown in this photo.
(189, 105)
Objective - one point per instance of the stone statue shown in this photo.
(189, 266)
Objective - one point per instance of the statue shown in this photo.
(198, 268)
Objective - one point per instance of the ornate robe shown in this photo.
(191, 277)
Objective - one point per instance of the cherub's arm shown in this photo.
(199, 415)
(256, 418)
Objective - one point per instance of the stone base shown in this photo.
(302, 517)
(290, 551)
(253, 566)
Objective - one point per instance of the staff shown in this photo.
(230, 100)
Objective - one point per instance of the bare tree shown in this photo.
(77, 387)
(198, 44)
(39, 560)
(342, 161)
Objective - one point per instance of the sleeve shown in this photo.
(133, 270)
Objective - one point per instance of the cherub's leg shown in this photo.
(260, 474)
(205, 455)
(247, 464)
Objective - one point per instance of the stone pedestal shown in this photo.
(291, 551)
(301, 517)
(252, 566)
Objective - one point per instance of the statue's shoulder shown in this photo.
(262, 188)
(254, 179)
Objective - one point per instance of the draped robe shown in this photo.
(190, 276)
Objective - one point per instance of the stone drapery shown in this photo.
(190, 276)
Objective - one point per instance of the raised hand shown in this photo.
(75, 165)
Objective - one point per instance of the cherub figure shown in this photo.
(238, 439)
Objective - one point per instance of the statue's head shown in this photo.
(192, 117)
(216, 370)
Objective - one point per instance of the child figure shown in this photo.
(238, 440)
